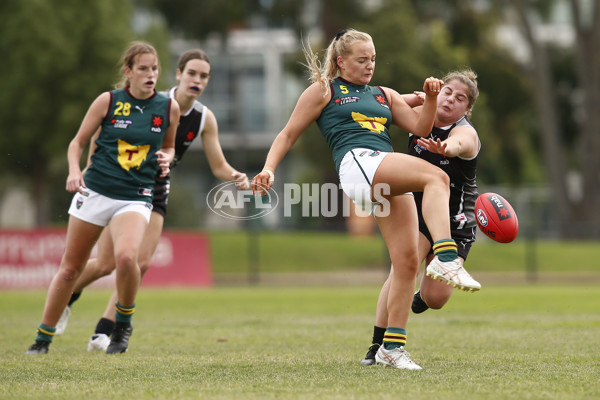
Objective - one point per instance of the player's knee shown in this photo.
(413, 264)
(105, 268)
(409, 264)
(68, 273)
(434, 302)
(436, 306)
(144, 265)
(442, 178)
(126, 259)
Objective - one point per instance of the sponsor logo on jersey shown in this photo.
(346, 100)
(157, 123)
(460, 217)
(381, 100)
(418, 148)
(145, 192)
(121, 123)
(131, 156)
(374, 124)
(189, 138)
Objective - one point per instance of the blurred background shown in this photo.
(537, 116)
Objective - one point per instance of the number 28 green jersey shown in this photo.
(124, 165)
(357, 116)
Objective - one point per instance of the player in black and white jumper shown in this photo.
(453, 145)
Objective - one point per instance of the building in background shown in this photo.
(252, 95)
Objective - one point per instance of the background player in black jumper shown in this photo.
(452, 145)
(193, 74)
(132, 146)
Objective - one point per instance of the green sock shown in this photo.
(45, 333)
(394, 337)
(445, 249)
(124, 314)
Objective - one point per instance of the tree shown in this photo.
(57, 56)
(578, 217)
(502, 114)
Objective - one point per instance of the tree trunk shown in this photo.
(41, 195)
(586, 214)
(548, 123)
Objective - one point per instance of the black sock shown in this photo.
(378, 334)
(74, 298)
(418, 304)
(105, 326)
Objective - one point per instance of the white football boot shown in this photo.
(453, 273)
(98, 341)
(395, 358)
(61, 325)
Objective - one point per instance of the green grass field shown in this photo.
(505, 342)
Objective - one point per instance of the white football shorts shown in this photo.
(97, 209)
(357, 170)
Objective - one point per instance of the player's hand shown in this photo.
(75, 182)
(241, 180)
(164, 162)
(420, 97)
(263, 182)
(432, 86)
(434, 146)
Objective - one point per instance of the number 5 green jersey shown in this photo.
(357, 116)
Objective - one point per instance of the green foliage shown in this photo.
(505, 342)
(199, 19)
(57, 57)
(51, 48)
(431, 40)
(453, 35)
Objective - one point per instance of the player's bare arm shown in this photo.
(462, 142)
(307, 110)
(89, 125)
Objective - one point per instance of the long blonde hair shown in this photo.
(341, 45)
(128, 60)
(468, 77)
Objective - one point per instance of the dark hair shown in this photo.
(468, 77)
(194, 54)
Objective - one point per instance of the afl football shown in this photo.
(496, 218)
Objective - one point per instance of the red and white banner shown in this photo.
(29, 259)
